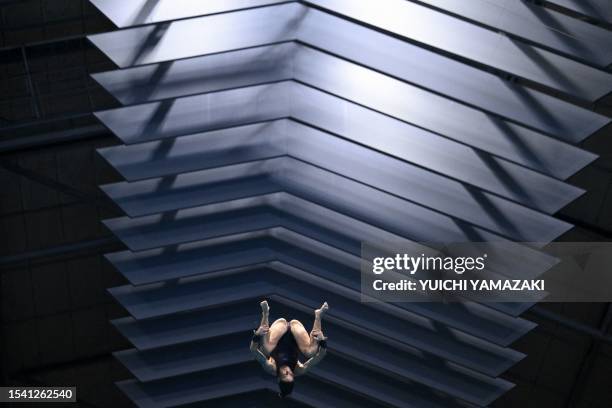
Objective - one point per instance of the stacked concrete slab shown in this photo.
(264, 141)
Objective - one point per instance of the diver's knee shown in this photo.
(296, 325)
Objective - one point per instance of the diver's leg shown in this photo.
(301, 336)
(310, 344)
(265, 314)
(278, 328)
(264, 326)
(316, 326)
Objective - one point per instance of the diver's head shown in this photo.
(285, 374)
(285, 381)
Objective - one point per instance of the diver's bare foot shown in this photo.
(265, 308)
(320, 311)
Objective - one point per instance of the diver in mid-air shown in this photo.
(278, 347)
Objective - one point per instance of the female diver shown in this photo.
(277, 348)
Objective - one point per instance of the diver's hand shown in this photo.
(318, 336)
(262, 330)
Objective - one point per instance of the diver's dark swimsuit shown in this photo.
(286, 352)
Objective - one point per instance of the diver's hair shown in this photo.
(285, 387)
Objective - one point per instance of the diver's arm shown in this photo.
(254, 346)
(313, 361)
(268, 364)
(258, 337)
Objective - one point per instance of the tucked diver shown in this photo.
(278, 347)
